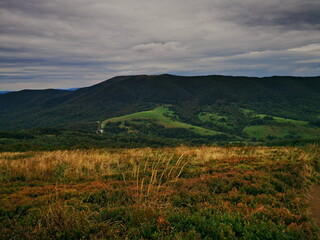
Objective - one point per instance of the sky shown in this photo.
(77, 43)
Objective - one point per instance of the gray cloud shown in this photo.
(288, 15)
(74, 43)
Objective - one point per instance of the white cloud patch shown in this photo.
(158, 47)
(74, 43)
(314, 48)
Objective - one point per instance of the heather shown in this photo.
(161, 193)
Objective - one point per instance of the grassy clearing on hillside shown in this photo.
(208, 117)
(252, 113)
(168, 193)
(214, 118)
(262, 132)
(277, 127)
(164, 116)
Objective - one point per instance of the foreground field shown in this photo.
(167, 193)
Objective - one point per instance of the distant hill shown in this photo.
(238, 107)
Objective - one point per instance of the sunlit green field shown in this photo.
(165, 193)
(163, 116)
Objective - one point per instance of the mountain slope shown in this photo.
(27, 99)
(224, 97)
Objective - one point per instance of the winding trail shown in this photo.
(315, 204)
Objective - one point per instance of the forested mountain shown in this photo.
(236, 107)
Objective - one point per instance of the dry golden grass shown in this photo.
(107, 192)
(94, 164)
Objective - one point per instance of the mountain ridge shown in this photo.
(282, 96)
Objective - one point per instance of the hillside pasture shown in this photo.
(163, 116)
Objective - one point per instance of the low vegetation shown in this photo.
(162, 193)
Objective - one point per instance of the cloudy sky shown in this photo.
(75, 43)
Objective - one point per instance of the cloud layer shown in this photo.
(75, 43)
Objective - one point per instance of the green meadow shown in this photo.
(280, 128)
(163, 116)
